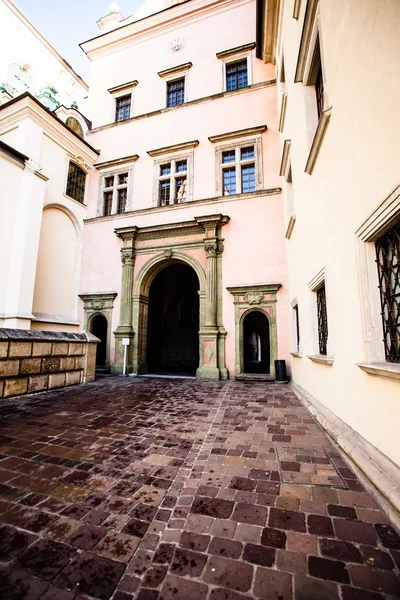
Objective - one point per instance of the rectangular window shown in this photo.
(240, 177)
(388, 261)
(248, 179)
(76, 183)
(319, 82)
(173, 183)
(322, 320)
(229, 176)
(123, 108)
(108, 198)
(175, 92)
(115, 193)
(297, 328)
(236, 75)
(122, 195)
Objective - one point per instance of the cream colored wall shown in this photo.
(55, 274)
(10, 176)
(356, 169)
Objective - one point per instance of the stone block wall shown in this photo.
(37, 361)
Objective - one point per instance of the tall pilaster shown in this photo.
(212, 354)
(125, 328)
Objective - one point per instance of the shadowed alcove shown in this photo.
(256, 347)
(173, 322)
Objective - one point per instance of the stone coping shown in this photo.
(35, 335)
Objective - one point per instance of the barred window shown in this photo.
(76, 182)
(176, 92)
(297, 327)
(388, 261)
(123, 108)
(322, 320)
(236, 75)
(319, 81)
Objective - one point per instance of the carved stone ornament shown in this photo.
(213, 248)
(81, 162)
(167, 253)
(254, 297)
(98, 304)
(176, 44)
(127, 256)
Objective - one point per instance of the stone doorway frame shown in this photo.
(165, 245)
(247, 299)
(99, 304)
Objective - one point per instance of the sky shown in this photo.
(66, 24)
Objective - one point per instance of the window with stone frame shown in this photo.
(172, 182)
(176, 92)
(123, 107)
(296, 327)
(76, 182)
(236, 74)
(238, 170)
(114, 190)
(388, 262)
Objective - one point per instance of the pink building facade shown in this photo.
(184, 248)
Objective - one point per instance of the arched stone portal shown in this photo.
(173, 321)
(198, 244)
(99, 327)
(256, 344)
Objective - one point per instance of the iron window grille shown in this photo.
(388, 261)
(297, 326)
(175, 92)
(319, 80)
(76, 183)
(236, 75)
(123, 108)
(322, 320)
(240, 176)
(115, 193)
(173, 183)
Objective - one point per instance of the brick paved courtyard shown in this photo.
(155, 489)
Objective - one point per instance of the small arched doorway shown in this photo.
(173, 321)
(256, 346)
(99, 328)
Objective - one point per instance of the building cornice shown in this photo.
(237, 50)
(196, 225)
(168, 20)
(233, 135)
(25, 105)
(117, 162)
(20, 15)
(13, 155)
(175, 70)
(175, 148)
(250, 88)
(123, 87)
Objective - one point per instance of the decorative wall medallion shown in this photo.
(98, 304)
(167, 253)
(254, 297)
(176, 44)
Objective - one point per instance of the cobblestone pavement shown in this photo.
(156, 489)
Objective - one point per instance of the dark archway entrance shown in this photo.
(173, 323)
(256, 348)
(99, 328)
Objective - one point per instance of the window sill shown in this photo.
(318, 139)
(382, 369)
(290, 227)
(321, 359)
(296, 354)
(76, 201)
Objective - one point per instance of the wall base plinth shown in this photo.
(123, 332)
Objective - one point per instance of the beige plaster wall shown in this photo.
(55, 275)
(357, 167)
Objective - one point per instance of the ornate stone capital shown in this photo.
(213, 247)
(127, 256)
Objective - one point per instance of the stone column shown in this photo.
(125, 329)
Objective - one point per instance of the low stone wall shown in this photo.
(36, 361)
